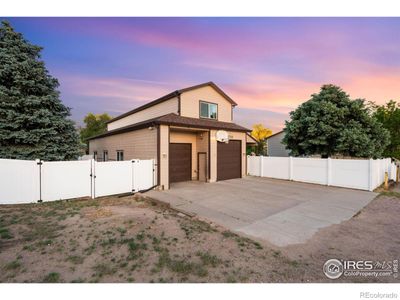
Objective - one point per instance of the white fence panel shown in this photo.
(112, 177)
(19, 181)
(65, 180)
(393, 171)
(143, 174)
(350, 173)
(276, 167)
(312, 170)
(253, 165)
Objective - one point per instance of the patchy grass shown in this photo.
(390, 194)
(5, 234)
(76, 259)
(52, 277)
(13, 265)
(131, 240)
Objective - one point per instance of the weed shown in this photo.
(5, 234)
(276, 253)
(121, 230)
(208, 259)
(180, 266)
(52, 277)
(103, 269)
(13, 265)
(390, 194)
(76, 259)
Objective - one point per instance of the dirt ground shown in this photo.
(132, 239)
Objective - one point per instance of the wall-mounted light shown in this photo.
(151, 128)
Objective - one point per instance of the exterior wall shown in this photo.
(275, 146)
(164, 156)
(189, 138)
(250, 140)
(190, 106)
(138, 144)
(213, 156)
(213, 152)
(163, 108)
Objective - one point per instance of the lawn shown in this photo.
(134, 239)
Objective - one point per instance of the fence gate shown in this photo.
(119, 177)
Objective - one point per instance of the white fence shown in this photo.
(365, 174)
(23, 181)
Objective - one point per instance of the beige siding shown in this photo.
(163, 108)
(138, 144)
(190, 103)
(164, 157)
(189, 138)
(213, 156)
(250, 140)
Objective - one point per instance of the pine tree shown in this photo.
(34, 122)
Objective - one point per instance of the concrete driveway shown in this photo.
(281, 212)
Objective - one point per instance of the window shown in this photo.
(105, 155)
(95, 155)
(208, 110)
(120, 155)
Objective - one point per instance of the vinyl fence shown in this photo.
(24, 181)
(365, 174)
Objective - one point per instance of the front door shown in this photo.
(202, 166)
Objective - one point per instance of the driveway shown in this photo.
(278, 211)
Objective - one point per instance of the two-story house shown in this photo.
(181, 131)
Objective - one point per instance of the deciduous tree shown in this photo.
(260, 133)
(330, 123)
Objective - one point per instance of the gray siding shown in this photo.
(275, 146)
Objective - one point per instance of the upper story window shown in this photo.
(208, 110)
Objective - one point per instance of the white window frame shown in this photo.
(209, 104)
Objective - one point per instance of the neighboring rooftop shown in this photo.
(175, 120)
(172, 95)
(276, 133)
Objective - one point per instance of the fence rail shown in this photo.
(23, 181)
(364, 174)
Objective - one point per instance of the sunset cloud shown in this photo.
(269, 66)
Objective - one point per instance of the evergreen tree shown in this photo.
(330, 123)
(33, 121)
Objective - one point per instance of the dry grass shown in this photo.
(134, 240)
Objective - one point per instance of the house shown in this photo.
(274, 145)
(189, 133)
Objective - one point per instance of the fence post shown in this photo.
(40, 163)
(290, 168)
(261, 165)
(329, 171)
(370, 188)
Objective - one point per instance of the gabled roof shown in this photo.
(276, 133)
(175, 120)
(172, 95)
(252, 138)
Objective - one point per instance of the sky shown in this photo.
(267, 65)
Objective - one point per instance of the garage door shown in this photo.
(229, 160)
(180, 162)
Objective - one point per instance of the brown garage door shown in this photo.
(229, 163)
(180, 162)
